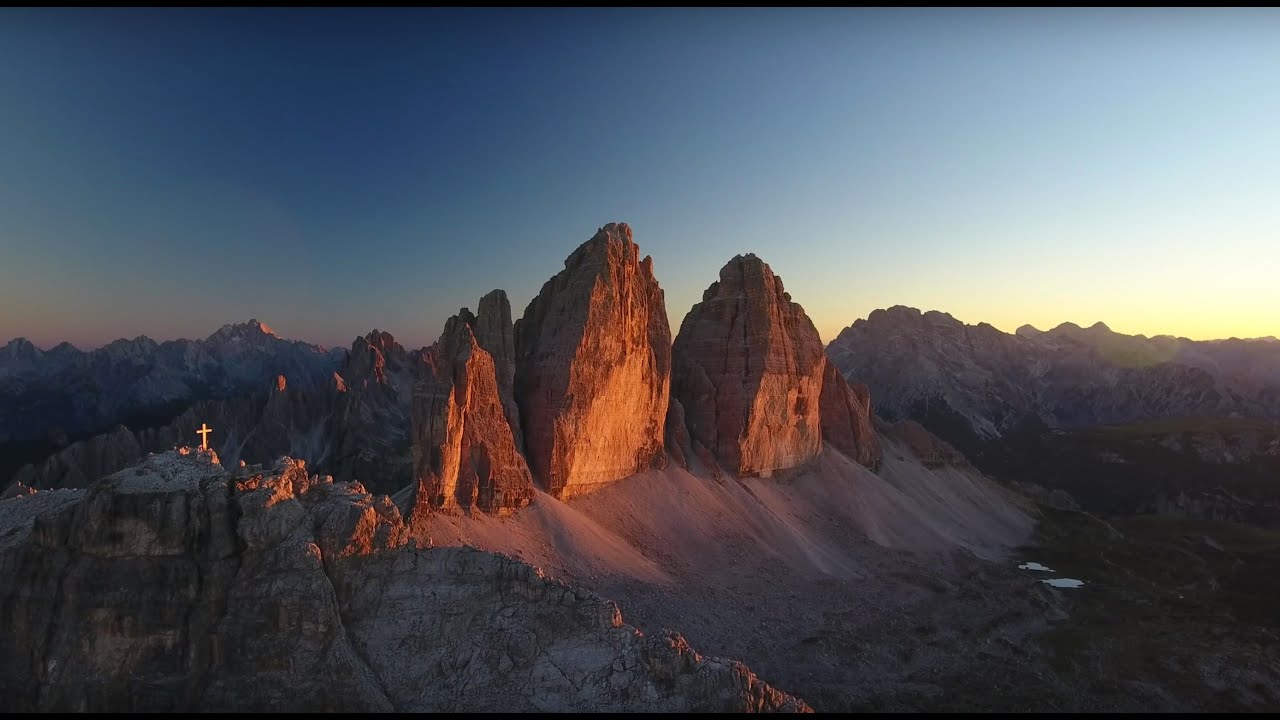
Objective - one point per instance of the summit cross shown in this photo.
(203, 432)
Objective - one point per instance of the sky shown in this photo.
(164, 172)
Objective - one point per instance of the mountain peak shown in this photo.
(1099, 327)
(1028, 330)
(593, 365)
(20, 345)
(250, 330)
(381, 339)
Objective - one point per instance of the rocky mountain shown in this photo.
(354, 425)
(465, 454)
(971, 383)
(175, 586)
(751, 377)
(732, 484)
(593, 367)
(54, 398)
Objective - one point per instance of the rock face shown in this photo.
(173, 586)
(464, 452)
(847, 422)
(593, 367)
(748, 367)
(495, 333)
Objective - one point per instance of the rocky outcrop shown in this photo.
(464, 452)
(81, 463)
(495, 333)
(847, 423)
(748, 369)
(174, 586)
(679, 445)
(371, 427)
(593, 366)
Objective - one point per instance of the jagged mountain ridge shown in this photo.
(63, 395)
(354, 425)
(975, 382)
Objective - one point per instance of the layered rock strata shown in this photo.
(464, 450)
(593, 367)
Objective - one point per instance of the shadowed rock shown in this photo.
(847, 424)
(748, 371)
(174, 586)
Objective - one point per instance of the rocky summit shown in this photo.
(177, 586)
(593, 367)
(752, 378)
(464, 451)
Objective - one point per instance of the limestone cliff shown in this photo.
(593, 367)
(748, 369)
(847, 422)
(464, 451)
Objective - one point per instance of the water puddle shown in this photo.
(1055, 582)
(1064, 582)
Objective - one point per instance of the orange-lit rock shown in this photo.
(748, 369)
(494, 331)
(464, 451)
(593, 366)
(846, 419)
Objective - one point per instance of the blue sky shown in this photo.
(328, 172)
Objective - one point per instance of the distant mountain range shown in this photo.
(979, 382)
(1125, 424)
(62, 395)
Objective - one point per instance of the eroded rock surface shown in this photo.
(464, 451)
(175, 586)
(847, 422)
(593, 366)
(748, 371)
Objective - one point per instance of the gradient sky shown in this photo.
(328, 172)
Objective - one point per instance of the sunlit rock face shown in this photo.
(593, 367)
(748, 372)
(464, 450)
(495, 333)
(175, 586)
